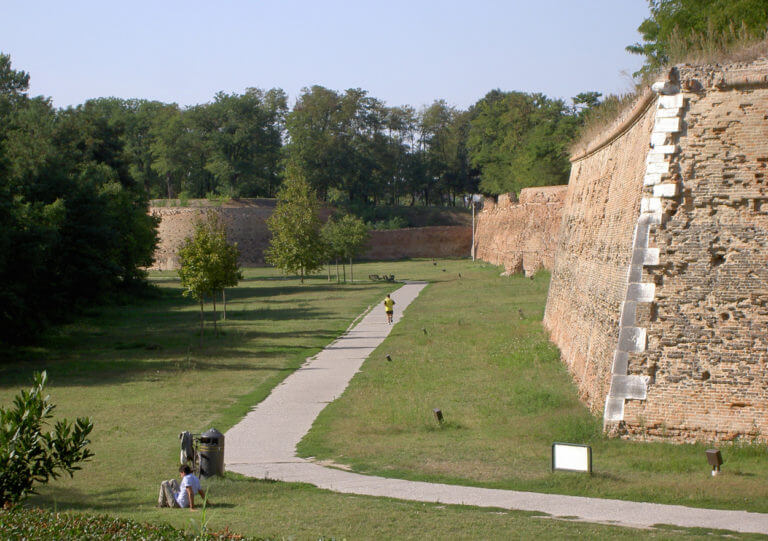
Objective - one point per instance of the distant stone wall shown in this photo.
(246, 225)
(435, 241)
(521, 236)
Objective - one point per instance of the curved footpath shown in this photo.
(263, 445)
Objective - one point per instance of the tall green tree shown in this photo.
(517, 140)
(246, 141)
(345, 238)
(296, 245)
(74, 227)
(208, 264)
(683, 24)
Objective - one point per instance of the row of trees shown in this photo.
(74, 228)
(300, 243)
(349, 146)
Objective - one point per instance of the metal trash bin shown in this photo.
(211, 451)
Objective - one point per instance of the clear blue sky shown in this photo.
(403, 52)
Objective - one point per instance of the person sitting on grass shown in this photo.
(173, 494)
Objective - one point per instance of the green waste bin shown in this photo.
(211, 451)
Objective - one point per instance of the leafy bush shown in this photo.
(395, 222)
(39, 524)
(184, 198)
(27, 455)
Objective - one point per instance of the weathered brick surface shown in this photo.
(433, 241)
(522, 235)
(707, 323)
(593, 254)
(246, 225)
(708, 326)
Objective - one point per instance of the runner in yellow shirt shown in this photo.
(389, 304)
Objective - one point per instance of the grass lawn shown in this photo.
(140, 372)
(485, 361)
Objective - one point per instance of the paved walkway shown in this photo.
(263, 445)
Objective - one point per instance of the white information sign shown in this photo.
(572, 457)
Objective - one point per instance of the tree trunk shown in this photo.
(351, 272)
(302, 274)
(215, 328)
(344, 270)
(337, 272)
(202, 320)
(224, 301)
(329, 271)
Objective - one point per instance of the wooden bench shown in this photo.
(385, 278)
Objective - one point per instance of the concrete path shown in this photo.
(263, 445)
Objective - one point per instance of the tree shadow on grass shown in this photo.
(98, 372)
(288, 289)
(111, 499)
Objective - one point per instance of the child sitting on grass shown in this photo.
(173, 494)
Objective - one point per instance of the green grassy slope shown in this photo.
(485, 361)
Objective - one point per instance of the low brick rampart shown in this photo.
(434, 241)
(521, 236)
(246, 223)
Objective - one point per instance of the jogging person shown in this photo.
(389, 304)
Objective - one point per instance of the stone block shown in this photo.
(666, 149)
(651, 179)
(635, 273)
(620, 362)
(650, 204)
(642, 233)
(655, 157)
(629, 387)
(632, 339)
(628, 311)
(645, 257)
(661, 168)
(668, 113)
(641, 292)
(674, 101)
(614, 410)
(665, 190)
(667, 125)
(659, 139)
(650, 257)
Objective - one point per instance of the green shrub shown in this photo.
(395, 222)
(18, 524)
(27, 454)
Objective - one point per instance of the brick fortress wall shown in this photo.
(521, 236)
(707, 326)
(594, 251)
(246, 224)
(659, 297)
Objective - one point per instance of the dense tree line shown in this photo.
(74, 227)
(75, 182)
(350, 147)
